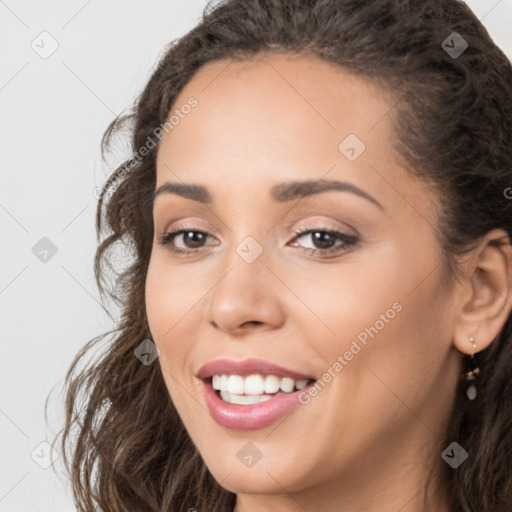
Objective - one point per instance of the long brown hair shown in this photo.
(123, 442)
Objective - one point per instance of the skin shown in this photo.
(371, 435)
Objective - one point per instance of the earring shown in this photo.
(471, 375)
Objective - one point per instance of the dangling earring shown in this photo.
(471, 375)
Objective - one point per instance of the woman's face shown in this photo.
(359, 303)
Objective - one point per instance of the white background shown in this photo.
(53, 113)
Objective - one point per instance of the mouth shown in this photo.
(251, 394)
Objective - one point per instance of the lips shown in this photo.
(249, 417)
(250, 411)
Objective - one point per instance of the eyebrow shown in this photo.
(282, 193)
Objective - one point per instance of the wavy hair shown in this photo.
(123, 442)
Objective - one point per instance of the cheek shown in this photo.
(387, 315)
(159, 307)
(168, 301)
(356, 300)
(401, 363)
(171, 295)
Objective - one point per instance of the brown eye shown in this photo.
(323, 240)
(326, 241)
(191, 240)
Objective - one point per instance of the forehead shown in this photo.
(285, 91)
(282, 117)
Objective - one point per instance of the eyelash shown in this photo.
(348, 241)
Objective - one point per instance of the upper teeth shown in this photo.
(256, 384)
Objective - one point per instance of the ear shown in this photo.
(486, 294)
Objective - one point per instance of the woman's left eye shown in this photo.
(324, 241)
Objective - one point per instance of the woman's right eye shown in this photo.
(190, 237)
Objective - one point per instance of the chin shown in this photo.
(247, 482)
(260, 479)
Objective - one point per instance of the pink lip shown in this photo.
(249, 417)
(247, 367)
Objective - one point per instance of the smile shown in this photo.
(252, 394)
(255, 388)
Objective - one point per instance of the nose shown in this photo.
(246, 297)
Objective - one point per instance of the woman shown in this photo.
(317, 315)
